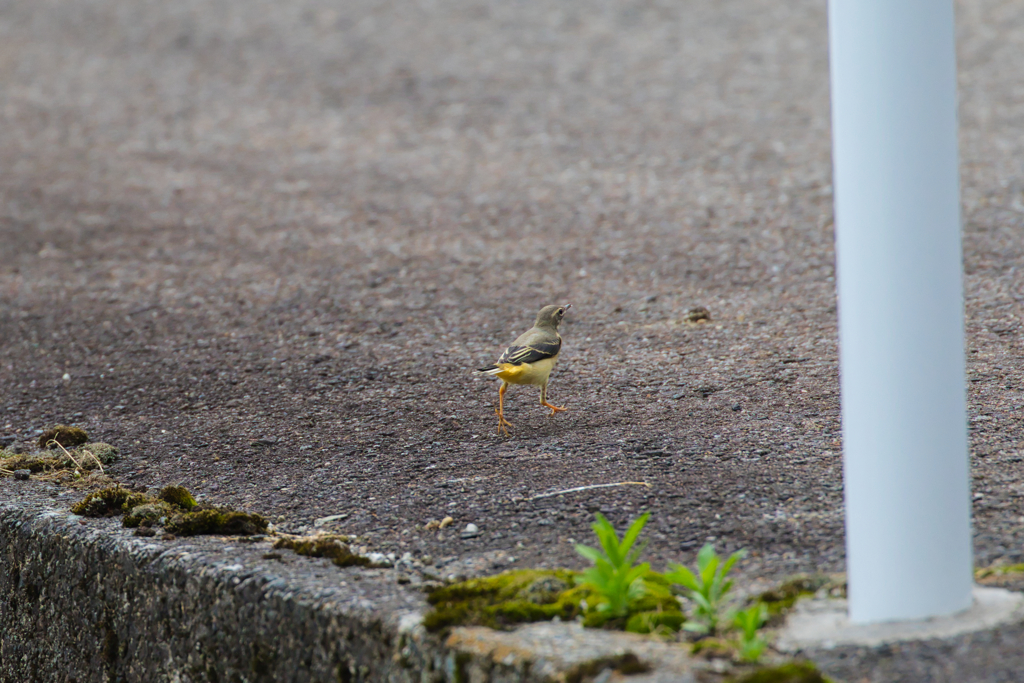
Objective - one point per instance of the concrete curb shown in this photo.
(90, 603)
(84, 600)
(823, 623)
(549, 651)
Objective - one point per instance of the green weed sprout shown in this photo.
(614, 576)
(751, 644)
(707, 587)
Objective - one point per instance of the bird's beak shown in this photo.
(568, 306)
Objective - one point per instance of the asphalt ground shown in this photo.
(268, 242)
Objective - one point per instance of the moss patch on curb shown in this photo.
(658, 611)
(790, 672)
(178, 496)
(998, 570)
(780, 600)
(108, 502)
(502, 601)
(68, 437)
(527, 595)
(220, 521)
(174, 508)
(88, 457)
(103, 452)
(149, 514)
(331, 546)
(625, 665)
(713, 648)
(1009, 576)
(35, 463)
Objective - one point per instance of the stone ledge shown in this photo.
(88, 602)
(559, 652)
(84, 600)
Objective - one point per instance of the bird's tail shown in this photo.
(507, 372)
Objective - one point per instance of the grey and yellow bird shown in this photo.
(529, 360)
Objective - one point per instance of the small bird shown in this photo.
(529, 360)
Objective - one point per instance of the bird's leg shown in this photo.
(503, 424)
(544, 400)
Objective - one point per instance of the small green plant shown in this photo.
(750, 643)
(707, 587)
(615, 576)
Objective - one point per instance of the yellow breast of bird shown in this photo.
(528, 373)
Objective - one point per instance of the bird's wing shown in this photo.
(531, 347)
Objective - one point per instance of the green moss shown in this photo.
(791, 672)
(175, 508)
(998, 570)
(713, 648)
(656, 622)
(87, 455)
(103, 452)
(334, 547)
(151, 513)
(134, 500)
(220, 521)
(545, 590)
(528, 595)
(35, 463)
(178, 496)
(507, 599)
(625, 664)
(781, 599)
(68, 437)
(107, 502)
(645, 614)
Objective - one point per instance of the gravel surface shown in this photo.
(260, 246)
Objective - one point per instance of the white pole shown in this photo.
(897, 217)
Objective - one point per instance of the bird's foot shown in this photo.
(503, 424)
(554, 409)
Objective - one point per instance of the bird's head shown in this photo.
(550, 316)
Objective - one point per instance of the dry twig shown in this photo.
(592, 486)
(78, 464)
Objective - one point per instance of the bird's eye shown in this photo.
(561, 311)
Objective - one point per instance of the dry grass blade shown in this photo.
(7, 472)
(71, 457)
(592, 486)
(99, 464)
(79, 465)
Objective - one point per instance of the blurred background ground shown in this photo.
(267, 242)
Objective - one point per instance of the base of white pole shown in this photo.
(824, 624)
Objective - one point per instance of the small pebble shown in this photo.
(22, 475)
(379, 559)
(327, 520)
(471, 531)
(737, 407)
